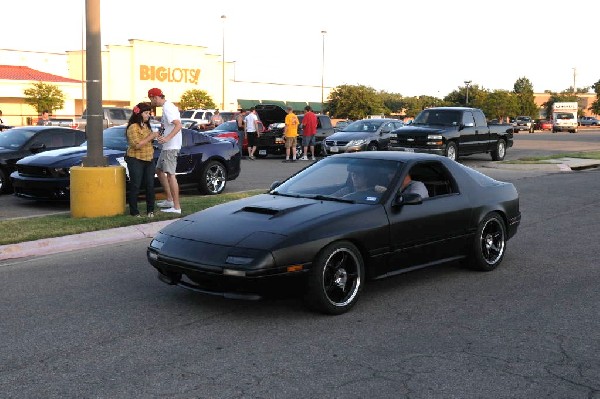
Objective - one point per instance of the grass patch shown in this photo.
(38, 227)
(580, 154)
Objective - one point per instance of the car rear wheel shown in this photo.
(372, 147)
(213, 178)
(299, 150)
(500, 151)
(489, 244)
(452, 151)
(336, 279)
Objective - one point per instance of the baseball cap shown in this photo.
(155, 93)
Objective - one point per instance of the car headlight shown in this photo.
(357, 142)
(60, 172)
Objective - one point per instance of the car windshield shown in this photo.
(565, 116)
(438, 117)
(363, 126)
(524, 118)
(15, 138)
(113, 138)
(345, 179)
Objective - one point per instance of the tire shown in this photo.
(451, 151)
(500, 151)
(213, 178)
(489, 244)
(336, 279)
(372, 147)
(299, 150)
(531, 130)
(4, 183)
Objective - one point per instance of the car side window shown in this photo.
(480, 119)
(47, 139)
(436, 178)
(467, 119)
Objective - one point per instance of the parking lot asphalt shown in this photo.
(146, 231)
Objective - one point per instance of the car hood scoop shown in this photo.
(274, 209)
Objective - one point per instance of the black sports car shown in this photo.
(338, 222)
(20, 142)
(203, 161)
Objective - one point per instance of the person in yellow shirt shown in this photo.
(290, 132)
(140, 159)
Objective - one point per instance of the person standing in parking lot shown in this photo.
(309, 125)
(216, 119)
(140, 159)
(251, 125)
(45, 119)
(239, 118)
(290, 132)
(171, 140)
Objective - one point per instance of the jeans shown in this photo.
(141, 175)
(241, 135)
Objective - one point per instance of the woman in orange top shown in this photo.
(140, 159)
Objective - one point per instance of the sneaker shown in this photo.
(171, 210)
(304, 158)
(137, 216)
(251, 157)
(150, 214)
(313, 159)
(165, 204)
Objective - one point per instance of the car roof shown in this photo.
(392, 156)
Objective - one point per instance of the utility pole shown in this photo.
(467, 83)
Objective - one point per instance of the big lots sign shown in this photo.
(164, 74)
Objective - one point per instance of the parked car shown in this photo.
(542, 124)
(202, 116)
(588, 121)
(205, 162)
(271, 142)
(229, 130)
(341, 125)
(362, 135)
(111, 116)
(302, 234)
(20, 142)
(523, 123)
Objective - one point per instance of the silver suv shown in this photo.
(523, 123)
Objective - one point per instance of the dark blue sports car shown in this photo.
(203, 161)
(339, 222)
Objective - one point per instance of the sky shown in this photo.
(408, 47)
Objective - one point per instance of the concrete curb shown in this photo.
(72, 242)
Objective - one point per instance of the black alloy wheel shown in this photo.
(336, 279)
(489, 244)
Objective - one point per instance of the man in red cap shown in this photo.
(170, 138)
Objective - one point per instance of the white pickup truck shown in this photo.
(524, 123)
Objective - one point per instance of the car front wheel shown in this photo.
(336, 279)
(452, 151)
(213, 178)
(372, 147)
(489, 244)
(3, 182)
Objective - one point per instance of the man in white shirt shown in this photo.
(251, 123)
(170, 138)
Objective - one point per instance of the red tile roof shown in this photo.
(15, 72)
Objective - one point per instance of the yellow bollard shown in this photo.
(97, 191)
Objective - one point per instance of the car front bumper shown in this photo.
(42, 189)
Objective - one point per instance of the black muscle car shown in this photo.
(205, 162)
(337, 223)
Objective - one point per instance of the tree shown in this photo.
(458, 98)
(414, 105)
(393, 102)
(595, 107)
(354, 102)
(500, 104)
(523, 90)
(196, 99)
(44, 97)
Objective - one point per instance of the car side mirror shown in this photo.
(38, 147)
(274, 185)
(407, 199)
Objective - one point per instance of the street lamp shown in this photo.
(467, 83)
(223, 17)
(323, 32)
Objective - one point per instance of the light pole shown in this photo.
(323, 33)
(467, 83)
(574, 73)
(223, 17)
